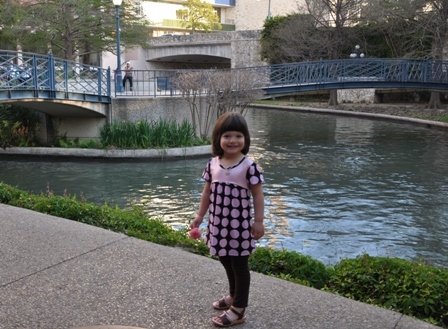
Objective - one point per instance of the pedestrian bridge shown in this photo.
(356, 74)
(64, 88)
(54, 86)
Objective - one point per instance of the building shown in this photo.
(234, 15)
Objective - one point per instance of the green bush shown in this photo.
(18, 126)
(145, 134)
(289, 265)
(411, 288)
(63, 141)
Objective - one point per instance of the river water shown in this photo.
(336, 186)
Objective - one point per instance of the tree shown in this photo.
(293, 38)
(9, 15)
(437, 17)
(319, 31)
(210, 93)
(199, 15)
(72, 28)
(414, 29)
(332, 17)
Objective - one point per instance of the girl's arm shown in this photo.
(203, 206)
(258, 226)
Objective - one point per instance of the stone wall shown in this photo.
(155, 109)
(244, 47)
(356, 95)
(251, 14)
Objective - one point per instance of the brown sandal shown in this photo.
(222, 304)
(224, 321)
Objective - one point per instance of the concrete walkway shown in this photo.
(60, 274)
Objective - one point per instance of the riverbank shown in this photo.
(409, 113)
(415, 113)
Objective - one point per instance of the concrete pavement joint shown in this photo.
(64, 261)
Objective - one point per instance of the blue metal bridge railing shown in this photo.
(357, 73)
(26, 75)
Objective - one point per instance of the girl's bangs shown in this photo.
(233, 123)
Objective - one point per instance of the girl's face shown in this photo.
(232, 142)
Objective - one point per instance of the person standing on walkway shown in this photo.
(231, 180)
(127, 75)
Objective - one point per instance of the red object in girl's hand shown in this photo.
(195, 233)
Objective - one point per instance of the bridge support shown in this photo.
(69, 127)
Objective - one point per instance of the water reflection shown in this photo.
(335, 186)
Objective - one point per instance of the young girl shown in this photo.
(231, 179)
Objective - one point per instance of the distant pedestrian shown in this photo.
(231, 179)
(128, 75)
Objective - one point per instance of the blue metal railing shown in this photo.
(43, 76)
(357, 73)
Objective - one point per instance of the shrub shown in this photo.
(411, 288)
(19, 126)
(145, 134)
(289, 265)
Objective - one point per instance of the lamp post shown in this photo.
(357, 52)
(269, 10)
(118, 79)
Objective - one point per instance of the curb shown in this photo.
(143, 154)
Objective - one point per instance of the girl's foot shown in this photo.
(223, 304)
(231, 317)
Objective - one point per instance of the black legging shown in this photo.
(238, 274)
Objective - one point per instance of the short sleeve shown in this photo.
(206, 175)
(254, 175)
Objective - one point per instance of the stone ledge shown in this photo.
(355, 113)
(180, 152)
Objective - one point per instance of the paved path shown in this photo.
(60, 274)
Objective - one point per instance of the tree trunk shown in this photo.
(333, 101)
(434, 101)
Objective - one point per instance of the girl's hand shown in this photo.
(257, 230)
(196, 222)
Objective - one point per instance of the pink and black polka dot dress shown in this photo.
(230, 219)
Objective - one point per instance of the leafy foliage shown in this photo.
(297, 267)
(145, 134)
(19, 126)
(270, 44)
(199, 15)
(75, 28)
(411, 288)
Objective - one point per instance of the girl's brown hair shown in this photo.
(230, 121)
